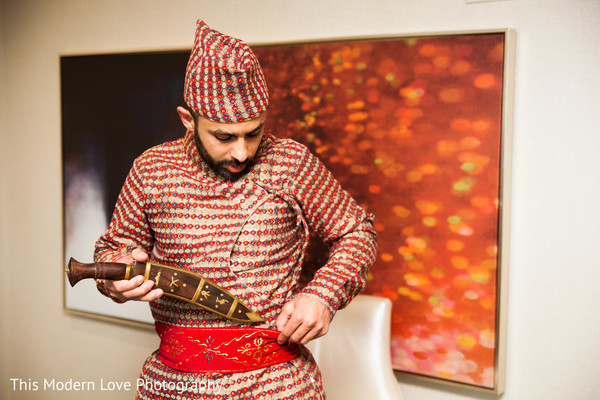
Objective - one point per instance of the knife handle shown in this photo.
(77, 271)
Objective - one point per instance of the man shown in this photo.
(235, 205)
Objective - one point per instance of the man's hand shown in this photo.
(302, 320)
(133, 289)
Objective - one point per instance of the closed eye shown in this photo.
(254, 134)
(224, 138)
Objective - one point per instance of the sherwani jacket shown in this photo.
(249, 236)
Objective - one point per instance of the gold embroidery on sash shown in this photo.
(257, 351)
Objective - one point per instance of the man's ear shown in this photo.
(187, 119)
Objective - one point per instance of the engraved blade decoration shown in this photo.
(195, 289)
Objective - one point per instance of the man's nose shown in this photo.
(240, 150)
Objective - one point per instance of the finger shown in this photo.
(286, 331)
(314, 333)
(282, 321)
(302, 331)
(290, 328)
(310, 326)
(123, 258)
(284, 336)
(152, 295)
(124, 285)
(284, 316)
(139, 255)
(129, 289)
(138, 292)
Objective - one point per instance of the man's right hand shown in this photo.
(134, 288)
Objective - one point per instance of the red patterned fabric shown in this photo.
(224, 81)
(237, 349)
(248, 236)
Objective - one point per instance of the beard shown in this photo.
(218, 167)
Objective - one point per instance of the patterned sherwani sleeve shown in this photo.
(128, 228)
(345, 228)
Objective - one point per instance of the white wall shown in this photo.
(554, 325)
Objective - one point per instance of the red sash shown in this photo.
(221, 349)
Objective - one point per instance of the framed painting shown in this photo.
(416, 128)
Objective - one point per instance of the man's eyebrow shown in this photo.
(222, 132)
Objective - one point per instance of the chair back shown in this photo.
(354, 356)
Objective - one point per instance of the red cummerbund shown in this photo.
(221, 349)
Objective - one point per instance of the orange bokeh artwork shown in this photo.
(412, 128)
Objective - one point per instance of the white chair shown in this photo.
(354, 356)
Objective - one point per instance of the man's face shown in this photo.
(229, 149)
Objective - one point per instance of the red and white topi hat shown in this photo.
(224, 81)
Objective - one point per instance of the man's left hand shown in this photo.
(302, 320)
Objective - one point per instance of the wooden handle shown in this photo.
(77, 271)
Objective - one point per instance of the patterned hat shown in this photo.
(224, 81)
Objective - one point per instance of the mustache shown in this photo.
(237, 163)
